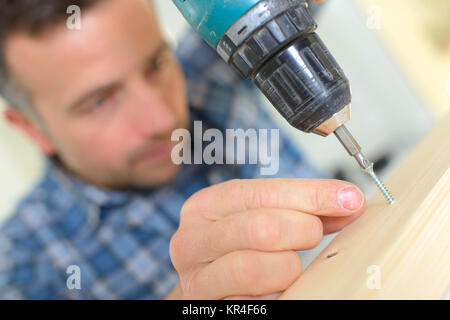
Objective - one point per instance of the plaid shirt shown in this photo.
(120, 239)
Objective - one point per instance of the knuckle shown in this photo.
(264, 231)
(262, 196)
(316, 199)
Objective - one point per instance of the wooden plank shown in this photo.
(400, 251)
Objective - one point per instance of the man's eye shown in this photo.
(102, 102)
(99, 103)
(158, 63)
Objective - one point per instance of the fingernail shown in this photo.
(350, 198)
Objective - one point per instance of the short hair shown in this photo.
(32, 17)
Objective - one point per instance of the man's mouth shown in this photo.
(158, 153)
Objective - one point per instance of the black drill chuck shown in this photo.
(288, 62)
(304, 83)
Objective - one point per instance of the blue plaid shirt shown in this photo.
(119, 240)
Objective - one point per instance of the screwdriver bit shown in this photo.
(353, 148)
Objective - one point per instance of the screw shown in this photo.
(380, 184)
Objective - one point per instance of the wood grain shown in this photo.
(408, 242)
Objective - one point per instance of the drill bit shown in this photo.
(353, 148)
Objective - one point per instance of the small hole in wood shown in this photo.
(332, 255)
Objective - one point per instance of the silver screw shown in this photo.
(380, 184)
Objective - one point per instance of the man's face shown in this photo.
(110, 94)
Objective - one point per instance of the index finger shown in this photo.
(319, 197)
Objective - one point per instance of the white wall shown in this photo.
(20, 165)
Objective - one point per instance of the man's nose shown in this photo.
(150, 112)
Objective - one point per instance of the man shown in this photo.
(112, 208)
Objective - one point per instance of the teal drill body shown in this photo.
(212, 18)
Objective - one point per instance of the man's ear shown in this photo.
(19, 120)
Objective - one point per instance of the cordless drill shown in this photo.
(273, 43)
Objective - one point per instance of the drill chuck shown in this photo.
(273, 43)
(305, 83)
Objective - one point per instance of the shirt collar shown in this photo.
(83, 191)
(102, 197)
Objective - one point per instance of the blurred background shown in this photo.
(396, 55)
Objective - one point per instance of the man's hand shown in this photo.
(239, 239)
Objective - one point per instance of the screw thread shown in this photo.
(380, 184)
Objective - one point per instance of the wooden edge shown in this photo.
(398, 251)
